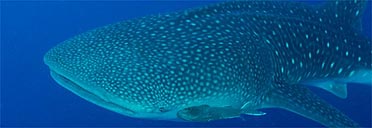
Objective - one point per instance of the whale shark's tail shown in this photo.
(300, 100)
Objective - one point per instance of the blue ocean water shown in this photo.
(29, 96)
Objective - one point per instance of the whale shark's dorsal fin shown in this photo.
(300, 100)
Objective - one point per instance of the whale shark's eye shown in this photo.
(162, 109)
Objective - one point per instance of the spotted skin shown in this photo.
(242, 54)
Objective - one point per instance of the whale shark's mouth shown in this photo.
(100, 100)
(89, 95)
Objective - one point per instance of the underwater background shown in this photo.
(30, 97)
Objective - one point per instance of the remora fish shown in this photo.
(237, 56)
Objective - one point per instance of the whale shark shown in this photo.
(220, 61)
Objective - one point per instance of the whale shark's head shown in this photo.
(138, 69)
(115, 80)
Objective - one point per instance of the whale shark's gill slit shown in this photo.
(87, 95)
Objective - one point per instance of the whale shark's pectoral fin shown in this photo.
(338, 86)
(339, 89)
(300, 100)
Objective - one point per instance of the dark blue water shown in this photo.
(29, 97)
